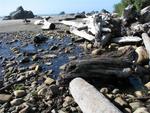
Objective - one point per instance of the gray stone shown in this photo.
(115, 91)
(141, 110)
(147, 85)
(104, 90)
(5, 98)
(16, 102)
(19, 93)
(49, 81)
(120, 101)
(135, 105)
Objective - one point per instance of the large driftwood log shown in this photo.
(111, 67)
(82, 34)
(89, 99)
(127, 39)
(146, 40)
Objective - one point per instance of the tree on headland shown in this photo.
(138, 4)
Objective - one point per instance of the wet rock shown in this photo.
(55, 47)
(25, 107)
(120, 101)
(5, 98)
(141, 110)
(25, 60)
(147, 85)
(138, 93)
(68, 99)
(38, 68)
(19, 93)
(72, 57)
(35, 58)
(42, 91)
(49, 81)
(135, 105)
(39, 39)
(97, 52)
(104, 90)
(54, 89)
(142, 55)
(16, 102)
(127, 110)
(145, 14)
(115, 91)
(62, 67)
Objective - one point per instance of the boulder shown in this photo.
(20, 13)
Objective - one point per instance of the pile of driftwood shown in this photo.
(104, 28)
(124, 65)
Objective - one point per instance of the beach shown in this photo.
(37, 67)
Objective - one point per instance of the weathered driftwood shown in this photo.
(82, 34)
(74, 24)
(146, 40)
(126, 39)
(47, 25)
(108, 68)
(89, 99)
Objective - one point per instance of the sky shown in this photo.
(56, 6)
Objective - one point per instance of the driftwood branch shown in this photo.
(127, 39)
(89, 99)
(82, 34)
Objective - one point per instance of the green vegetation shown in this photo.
(138, 4)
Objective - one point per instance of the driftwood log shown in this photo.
(82, 34)
(89, 99)
(112, 63)
(126, 40)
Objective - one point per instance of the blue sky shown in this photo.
(56, 6)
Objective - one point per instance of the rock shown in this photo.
(115, 91)
(62, 13)
(25, 108)
(80, 15)
(138, 93)
(120, 101)
(42, 91)
(142, 55)
(49, 81)
(104, 90)
(19, 93)
(72, 57)
(68, 99)
(97, 52)
(25, 60)
(145, 14)
(147, 85)
(16, 102)
(38, 68)
(141, 110)
(5, 98)
(127, 110)
(54, 89)
(135, 105)
(20, 13)
(62, 67)
(39, 38)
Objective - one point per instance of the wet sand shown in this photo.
(18, 25)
